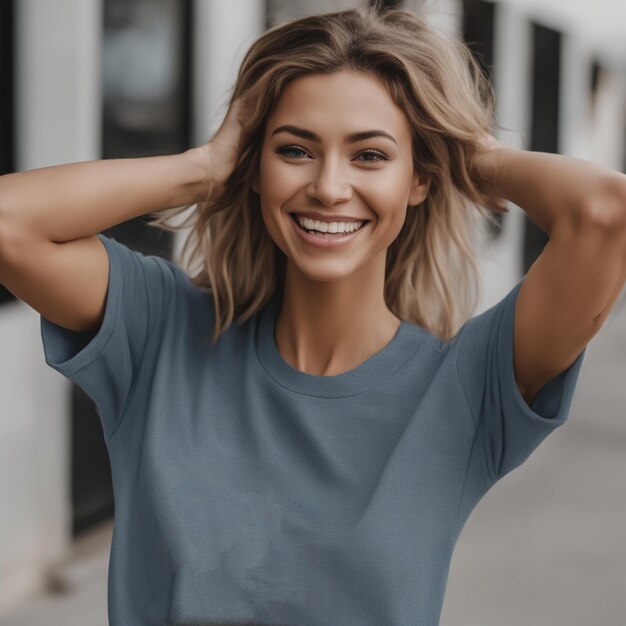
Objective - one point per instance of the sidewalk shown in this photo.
(77, 593)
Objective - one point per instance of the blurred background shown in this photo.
(92, 79)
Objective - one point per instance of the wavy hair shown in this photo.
(431, 271)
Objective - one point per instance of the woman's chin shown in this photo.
(324, 271)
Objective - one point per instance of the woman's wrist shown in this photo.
(486, 171)
(200, 159)
(487, 168)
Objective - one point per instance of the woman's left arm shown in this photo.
(570, 289)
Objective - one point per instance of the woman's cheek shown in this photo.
(387, 208)
(282, 177)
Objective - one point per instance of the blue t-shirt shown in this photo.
(246, 489)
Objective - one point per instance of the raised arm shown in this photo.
(50, 255)
(571, 288)
(66, 202)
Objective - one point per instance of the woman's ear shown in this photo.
(419, 189)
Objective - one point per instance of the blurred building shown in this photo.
(91, 79)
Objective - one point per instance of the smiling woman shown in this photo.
(337, 231)
(314, 463)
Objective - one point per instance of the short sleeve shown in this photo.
(105, 363)
(507, 429)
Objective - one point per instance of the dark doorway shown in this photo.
(544, 125)
(478, 32)
(478, 29)
(7, 102)
(146, 82)
(381, 5)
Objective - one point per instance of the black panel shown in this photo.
(381, 5)
(594, 79)
(546, 64)
(544, 130)
(146, 73)
(478, 30)
(7, 110)
(7, 59)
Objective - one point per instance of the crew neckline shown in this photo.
(361, 378)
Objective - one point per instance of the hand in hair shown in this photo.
(221, 151)
(484, 170)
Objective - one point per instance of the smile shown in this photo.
(325, 240)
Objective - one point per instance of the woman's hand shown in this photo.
(220, 153)
(484, 170)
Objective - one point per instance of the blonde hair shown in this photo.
(431, 273)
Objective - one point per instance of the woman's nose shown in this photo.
(330, 185)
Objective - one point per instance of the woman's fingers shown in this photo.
(223, 148)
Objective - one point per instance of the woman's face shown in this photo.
(315, 167)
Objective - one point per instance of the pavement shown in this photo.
(76, 590)
(546, 546)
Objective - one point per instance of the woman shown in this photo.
(315, 462)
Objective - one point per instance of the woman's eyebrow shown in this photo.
(353, 138)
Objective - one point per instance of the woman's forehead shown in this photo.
(340, 103)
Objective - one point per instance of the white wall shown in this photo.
(220, 43)
(58, 120)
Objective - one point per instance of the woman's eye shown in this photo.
(289, 150)
(285, 150)
(379, 156)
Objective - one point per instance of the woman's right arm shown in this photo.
(50, 254)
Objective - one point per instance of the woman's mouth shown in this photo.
(325, 240)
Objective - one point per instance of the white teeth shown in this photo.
(328, 227)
